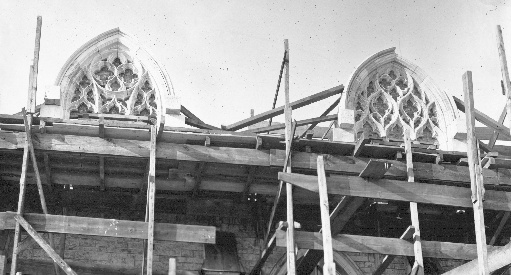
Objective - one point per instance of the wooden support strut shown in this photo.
(505, 71)
(418, 266)
(46, 247)
(328, 259)
(407, 235)
(476, 176)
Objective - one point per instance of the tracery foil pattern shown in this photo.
(392, 101)
(114, 85)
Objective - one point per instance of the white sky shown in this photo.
(224, 56)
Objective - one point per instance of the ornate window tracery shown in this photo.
(390, 101)
(116, 84)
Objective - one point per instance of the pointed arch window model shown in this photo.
(111, 74)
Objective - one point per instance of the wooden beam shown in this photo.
(151, 192)
(504, 70)
(101, 127)
(45, 246)
(484, 119)
(476, 176)
(386, 246)
(407, 235)
(291, 256)
(39, 267)
(401, 191)
(111, 228)
(325, 113)
(375, 169)
(418, 266)
(498, 257)
(280, 110)
(201, 125)
(189, 114)
(4, 239)
(298, 123)
(328, 258)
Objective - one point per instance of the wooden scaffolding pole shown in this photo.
(31, 99)
(505, 72)
(476, 175)
(291, 254)
(328, 258)
(418, 266)
(151, 192)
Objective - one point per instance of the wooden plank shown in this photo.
(401, 191)
(414, 212)
(476, 176)
(328, 258)
(151, 193)
(46, 247)
(201, 125)
(497, 258)
(242, 156)
(484, 119)
(280, 110)
(31, 99)
(315, 120)
(504, 70)
(375, 169)
(324, 114)
(189, 114)
(4, 239)
(44, 267)
(111, 228)
(290, 248)
(407, 235)
(386, 246)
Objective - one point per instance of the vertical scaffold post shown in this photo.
(476, 175)
(418, 266)
(291, 256)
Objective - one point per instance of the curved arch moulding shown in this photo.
(388, 94)
(112, 74)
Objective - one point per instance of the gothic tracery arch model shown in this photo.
(387, 94)
(111, 74)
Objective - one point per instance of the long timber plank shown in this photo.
(401, 191)
(111, 227)
(386, 246)
(243, 156)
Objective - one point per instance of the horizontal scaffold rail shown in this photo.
(112, 228)
(340, 164)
